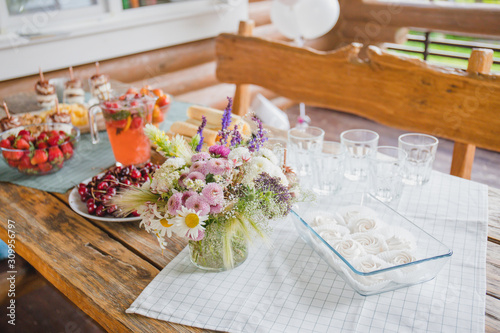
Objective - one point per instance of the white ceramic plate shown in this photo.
(81, 208)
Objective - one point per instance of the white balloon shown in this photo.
(304, 18)
(316, 17)
(288, 2)
(284, 18)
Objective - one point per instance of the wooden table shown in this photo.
(103, 267)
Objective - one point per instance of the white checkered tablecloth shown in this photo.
(290, 289)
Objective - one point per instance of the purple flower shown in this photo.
(217, 166)
(200, 133)
(213, 193)
(201, 235)
(258, 138)
(174, 203)
(226, 121)
(200, 166)
(196, 175)
(200, 157)
(235, 136)
(186, 196)
(266, 183)
(222, 151)
(198, 204)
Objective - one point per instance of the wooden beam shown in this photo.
(472, 19)
(184, 80)
(394, 90)
(480, 62)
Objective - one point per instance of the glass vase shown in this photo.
(208, 253)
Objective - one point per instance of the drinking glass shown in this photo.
(277, 146)
(386, 173)
(125, 121)
(328, 168)
(359, 145)
(302, 144)
(421, 150)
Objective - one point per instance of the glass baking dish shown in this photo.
(404, 253)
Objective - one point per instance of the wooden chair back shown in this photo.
(397, 91)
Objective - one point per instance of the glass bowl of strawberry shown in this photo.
(39, 149)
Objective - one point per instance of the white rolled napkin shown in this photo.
(372, 242)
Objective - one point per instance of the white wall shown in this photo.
(67, 44)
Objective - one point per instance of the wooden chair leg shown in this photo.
(480, 61)
(463, 158)
(242, 94)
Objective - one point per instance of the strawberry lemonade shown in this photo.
(125, 119)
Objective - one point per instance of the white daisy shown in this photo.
(267, 153)
(188, 223)
(174, 163)
(155, 222)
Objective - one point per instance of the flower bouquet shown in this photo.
(219, 198)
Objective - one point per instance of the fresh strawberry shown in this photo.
(25, 161)
(12, 138)
(136, 122)
(67, 150)
(20, 143)
(59, 165)
(28, 137)
(45, 167)
(55, 140)
(55, 155)
(40, 156)
(53, 132)
(24, 132)
(14, 155)
(13, 163)
(42, 136)
(42, 144)
(5, 143)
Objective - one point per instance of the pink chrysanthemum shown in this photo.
(216, 209)
(174, 203)
(196, 175)
(198, 204)
(213, 193)
(201, 235)
(220, 150)
(181, 179)
(199, 166)
(200, 157)
(216, 166)
(187, 195)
